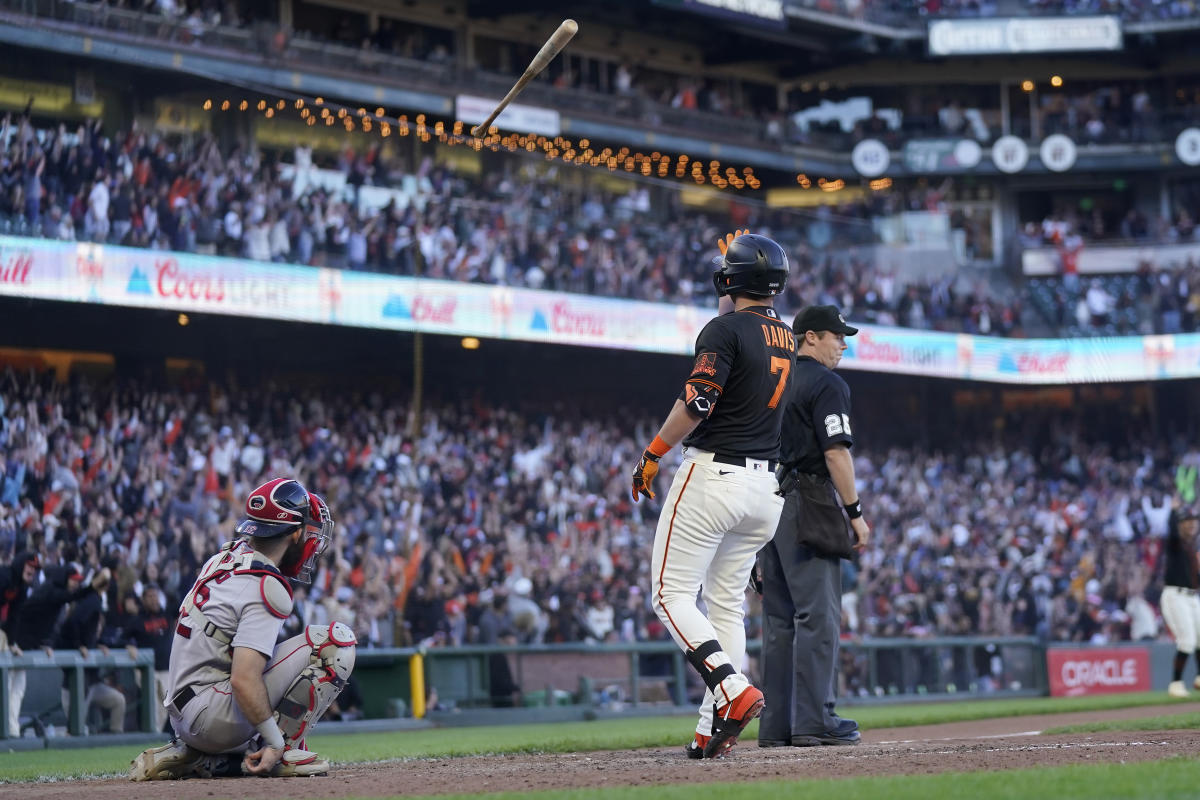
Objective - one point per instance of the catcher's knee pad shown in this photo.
(331, 661)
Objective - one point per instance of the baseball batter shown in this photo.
(722, 507)
(239, 703)
(1180, 606)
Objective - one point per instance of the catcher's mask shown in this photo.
(318, 530)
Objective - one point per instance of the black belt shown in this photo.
(182, 699)
(739, 461)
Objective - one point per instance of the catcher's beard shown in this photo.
(293, 559)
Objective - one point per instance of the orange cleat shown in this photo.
(695, 748)
(731, 720)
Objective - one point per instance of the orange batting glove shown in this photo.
(643, 476)
(723, 244)
(647, 469)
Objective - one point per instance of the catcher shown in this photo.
(239, 704)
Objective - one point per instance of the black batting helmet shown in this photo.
(752, 265)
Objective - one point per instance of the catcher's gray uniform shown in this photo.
(241, 599)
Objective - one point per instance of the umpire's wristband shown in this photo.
(853, 510)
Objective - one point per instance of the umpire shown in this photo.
(801, 568)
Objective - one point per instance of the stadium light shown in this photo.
(470, 343)
(183, 320)
(1056, 81)
(1027, 86)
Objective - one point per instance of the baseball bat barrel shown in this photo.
(557, 41)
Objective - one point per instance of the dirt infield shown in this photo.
(956, 747)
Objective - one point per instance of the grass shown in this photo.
(1171, 722)
(558, 737)
(970, 710)
(1157, 780)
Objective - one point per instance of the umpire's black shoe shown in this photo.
(846, 733)
(774, 742)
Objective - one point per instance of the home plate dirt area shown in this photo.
(955, 747)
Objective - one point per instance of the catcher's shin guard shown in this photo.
(319, 684)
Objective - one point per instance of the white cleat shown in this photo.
(301, 764)
(166, 763)
(1177, 689)
(1196, 682)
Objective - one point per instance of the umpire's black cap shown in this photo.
(822, 318)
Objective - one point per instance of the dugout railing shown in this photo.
(630, 675)
(46, 675)
(616, 677)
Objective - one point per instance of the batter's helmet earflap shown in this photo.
(752, 265)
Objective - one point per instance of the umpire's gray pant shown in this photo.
(802, 615)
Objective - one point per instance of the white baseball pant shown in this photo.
(212, 721)
(16, 695)
(1181, 612)
(715, 519)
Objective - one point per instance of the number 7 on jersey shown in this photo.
(783, 366)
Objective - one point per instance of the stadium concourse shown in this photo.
(506, 519)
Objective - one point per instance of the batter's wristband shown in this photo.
(853, 510)
(271, 735)
(658, 448)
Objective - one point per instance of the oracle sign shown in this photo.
(1105, 670)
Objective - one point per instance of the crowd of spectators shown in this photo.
(1158, 292)
(912, 13)
(482, 524)
(1121, 112)
(523, 226)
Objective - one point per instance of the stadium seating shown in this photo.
(970, 538)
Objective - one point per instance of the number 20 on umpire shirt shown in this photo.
(818, 417)
(740, 383)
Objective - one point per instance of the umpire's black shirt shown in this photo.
(817, 417)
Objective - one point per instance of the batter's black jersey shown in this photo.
(817, 417)
(1181, 568)
(740, 383)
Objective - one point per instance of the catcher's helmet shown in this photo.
(276, 508)
(752, 265)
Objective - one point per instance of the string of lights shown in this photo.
(318, 111)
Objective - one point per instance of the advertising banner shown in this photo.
(1087, 670)
(1099, 259)
(972, 37)
(766, 13)
(121, 276)
(516, 117)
